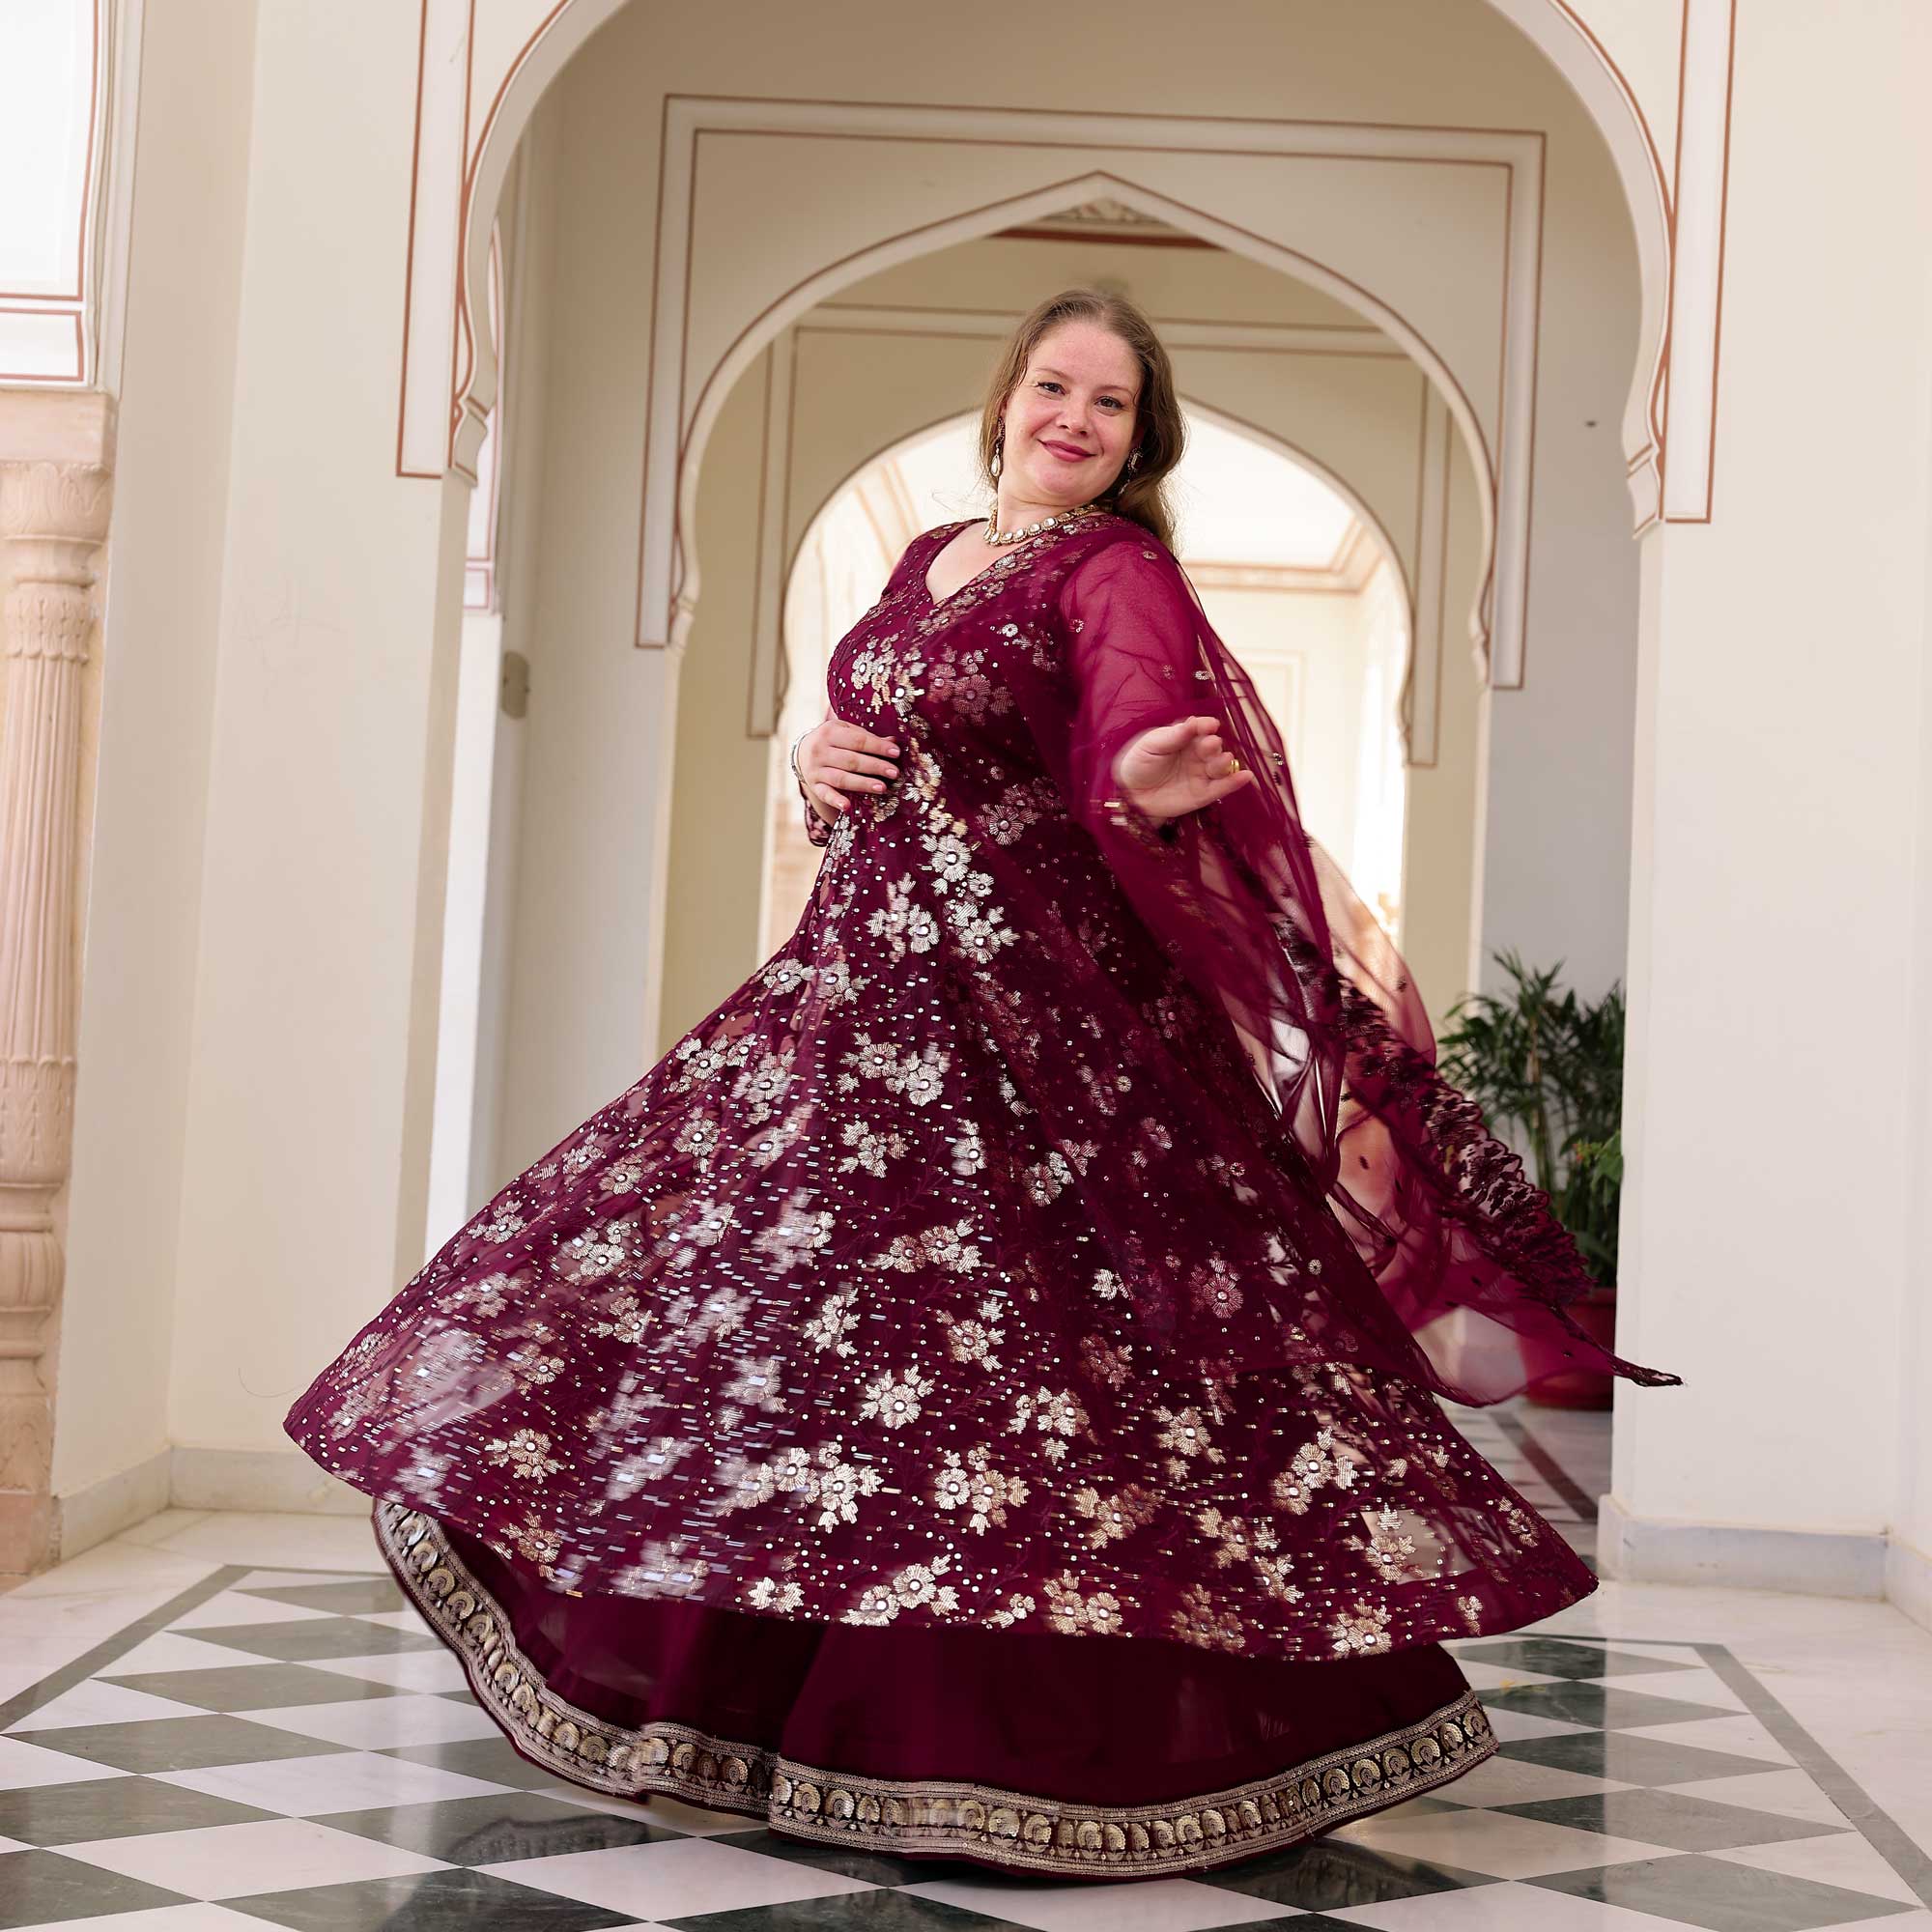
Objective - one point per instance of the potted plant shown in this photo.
(1546, 1069)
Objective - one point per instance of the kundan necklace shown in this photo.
(1019, 531)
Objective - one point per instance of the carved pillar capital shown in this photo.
(54, 509)
(60, 501)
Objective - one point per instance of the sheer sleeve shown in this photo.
(816, 828)
(1139, 660)
(1444, 1231)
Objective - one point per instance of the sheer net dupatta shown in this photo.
(1455, 1272)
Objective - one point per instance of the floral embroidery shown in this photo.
(534, 1543)
(756, 1383)
(892, 1400)
(1362, 1631)
(1387, 1548)
(526, 1453)
(1044, 1179)
(1118, 1515)
(662, 1569)
(1235, 1540)
(969, 1151)
(1183, 1432)
(834, 1321)
(718, 1314)
(534, 1370)
(970, 1484)
(896, 1287)
(1019, 807)
(971, 1339)
(875, 1147)
(1070, 1610)
(1106, 1362)
(1311, 1467)
(767, 1593)
(1054, 1413)
(1215, 1287)
(822, 1479)
(1200, 1619)
(799, 1232)
(916, 1587)
(905, 926)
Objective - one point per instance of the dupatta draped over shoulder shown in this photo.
(1455, 1271)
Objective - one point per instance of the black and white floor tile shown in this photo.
(1557, 1460)
(292, 1747)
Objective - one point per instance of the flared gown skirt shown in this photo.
(1026, 1751)
(965, 1587)
(796, 1438)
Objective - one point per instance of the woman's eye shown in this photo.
(1048, 384)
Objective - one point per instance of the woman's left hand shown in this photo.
(1179, 768)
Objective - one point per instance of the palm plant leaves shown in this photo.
(1550, 1069)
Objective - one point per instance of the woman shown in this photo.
(975, 1396)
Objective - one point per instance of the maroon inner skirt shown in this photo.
(1094, 1720)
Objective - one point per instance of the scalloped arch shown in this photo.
(670, 574)
(528, 63)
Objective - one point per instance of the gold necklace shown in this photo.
(1019, 531)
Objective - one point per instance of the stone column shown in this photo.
(55, 488)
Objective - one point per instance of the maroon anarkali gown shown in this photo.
(938, 1409)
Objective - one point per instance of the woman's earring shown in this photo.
(1134, 457)
(999, 440)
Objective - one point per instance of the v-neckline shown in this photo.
(926, 569)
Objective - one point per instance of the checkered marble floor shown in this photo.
(1557, 1460)
(292, 1747)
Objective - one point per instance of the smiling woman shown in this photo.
(1058, 433)
(975, 1396)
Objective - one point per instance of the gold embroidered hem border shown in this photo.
(931, 1816)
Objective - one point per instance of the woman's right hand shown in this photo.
(1174, 769)
(834, 759)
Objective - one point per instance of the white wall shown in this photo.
(312, 1043)
(1774, 1229)
(1555, 867)
(463, 1042)
(1910, 1571)
(1318, 641)
(597, 732)
(161, 608)
(1443, 937)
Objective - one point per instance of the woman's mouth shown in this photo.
(1066, 451)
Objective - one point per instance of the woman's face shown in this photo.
(1070, 422)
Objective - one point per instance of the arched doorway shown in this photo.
(723, 414)
(1296, 573)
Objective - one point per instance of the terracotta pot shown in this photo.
(1583, 1389)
